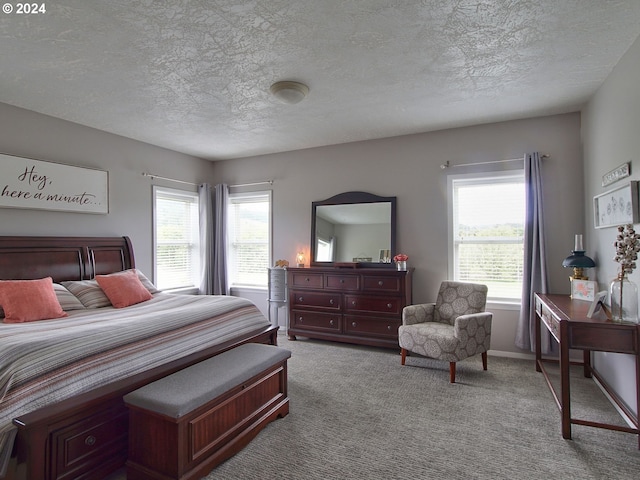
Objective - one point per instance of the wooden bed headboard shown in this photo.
(63, 258)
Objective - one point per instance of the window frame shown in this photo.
(156, 189)
(268, 195)
(478, 178)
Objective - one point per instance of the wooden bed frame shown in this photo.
(84, 436)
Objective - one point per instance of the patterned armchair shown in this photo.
(452, 329)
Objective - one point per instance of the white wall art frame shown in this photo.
(35, 184)
(616, 207)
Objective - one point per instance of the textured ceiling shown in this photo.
(194, 76)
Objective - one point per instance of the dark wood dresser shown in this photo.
(352, 305)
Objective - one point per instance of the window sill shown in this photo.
(503, 305)
(183, 291)
(247, 288)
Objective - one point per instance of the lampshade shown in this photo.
(578, 260)
(289, 92)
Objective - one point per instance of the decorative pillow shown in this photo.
(67, 299)
(146, 282)
(88, 292)
(123, 288)
(29, 300)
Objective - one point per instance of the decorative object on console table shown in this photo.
(358, 305)
(578, 260)
(300, 259)
(623, 292)
(401, 261)
(583, 289)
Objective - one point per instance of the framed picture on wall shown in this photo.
(616, 207)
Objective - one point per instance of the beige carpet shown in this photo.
(356, 413)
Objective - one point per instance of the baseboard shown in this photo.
(613, 402)
(521, 356)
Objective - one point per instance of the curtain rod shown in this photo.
(446, 165)
(153, 175)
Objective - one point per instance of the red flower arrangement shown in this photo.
(401, 257)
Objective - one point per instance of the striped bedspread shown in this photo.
(51, 360)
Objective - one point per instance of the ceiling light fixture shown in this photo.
(289, 92)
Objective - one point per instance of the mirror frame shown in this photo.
(350, 198)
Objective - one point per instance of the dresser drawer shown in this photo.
(382, 284)
(325, 301)
(83, 445)
(315, 321)
(343, 282)
(362, 303)
(552, 323)
(306, 280)
(354, 324)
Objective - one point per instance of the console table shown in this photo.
(567, 321)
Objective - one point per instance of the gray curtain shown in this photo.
(213, 238)
(535, 272)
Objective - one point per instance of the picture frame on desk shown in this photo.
(597, 303)
(583, 289)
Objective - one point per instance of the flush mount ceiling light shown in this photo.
(289, 92)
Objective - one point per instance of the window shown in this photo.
(487, 231)
(249, 235)
(176, 238)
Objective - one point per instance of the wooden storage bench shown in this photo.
(183, 425)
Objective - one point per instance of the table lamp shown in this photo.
(578, 261)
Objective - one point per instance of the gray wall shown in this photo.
(611, 137)
(409, 167)
(28, 134)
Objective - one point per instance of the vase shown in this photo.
(401, 265)
(624, 299)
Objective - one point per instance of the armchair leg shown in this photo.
(452, 372)
(403, 355)
(484, 360)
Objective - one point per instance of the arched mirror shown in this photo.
(353, 228)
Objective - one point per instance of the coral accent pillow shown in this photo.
(123, 288)
(29, 300)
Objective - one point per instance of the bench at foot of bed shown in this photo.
(183, 425)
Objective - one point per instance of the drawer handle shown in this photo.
(389, 305)
(308, 279)
(331, 322)
(353, 302)
(342, 280)
(353, 324)
(299, 319)
(300, 299)
(389, 327)
(90, 441)
(380, 282)
(331, 302)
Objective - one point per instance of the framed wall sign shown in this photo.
(616, 174)
(28, 183)
(616, 207)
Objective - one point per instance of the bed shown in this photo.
(62, 380)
